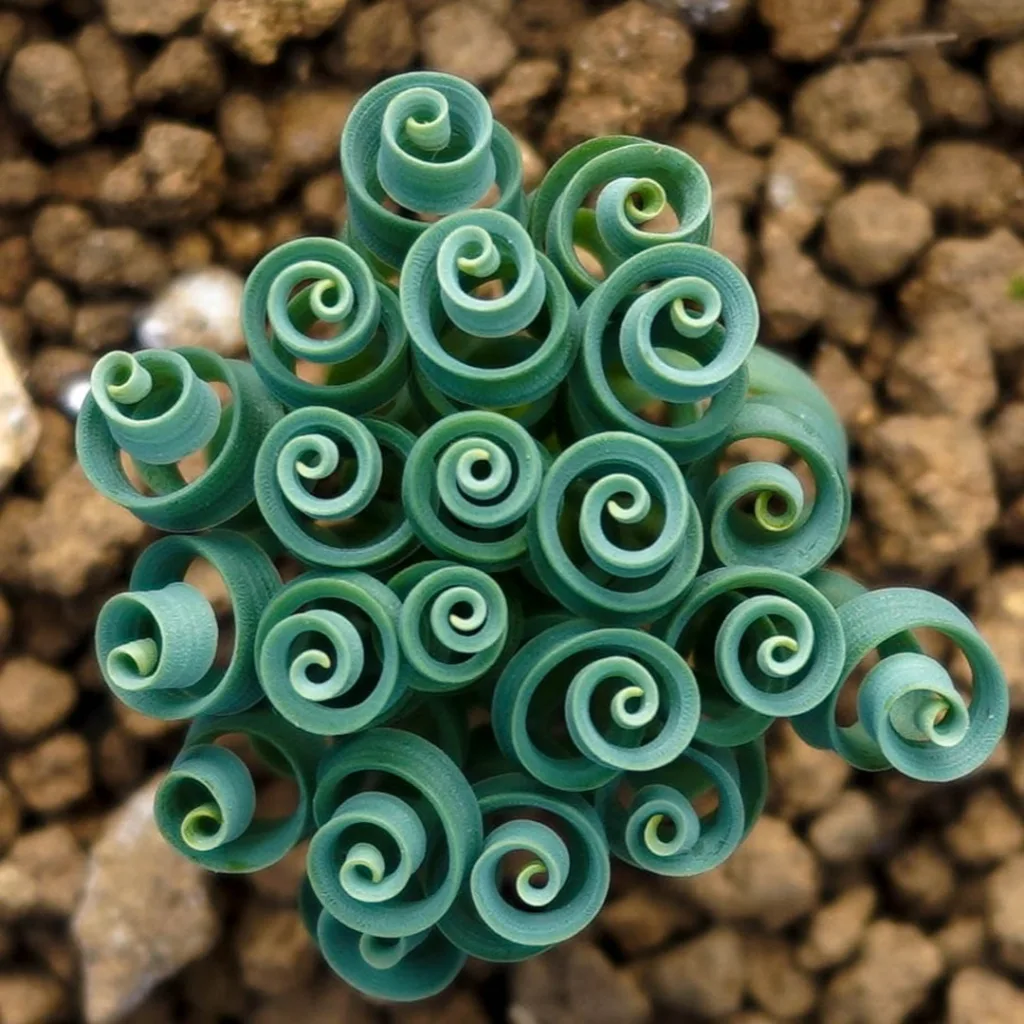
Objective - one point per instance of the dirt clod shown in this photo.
(256, 29)
(177, 174)
(928, 490)
(465, 40)
(946, 368)
(274, 950)
(34, 697)
(186, 76)
(46, 85)
(974, 184)
(576, 982)
(54, 774)
(853, 112)
(808, 29)
(892, 977)
(875, 231)
(973, 276)
(1005, 75)
(772, 878)
(703, 977)
(979, 996)
(625, 77)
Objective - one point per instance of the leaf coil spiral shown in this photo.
(632, 567)
(911, 716)
(205, 807)
(159, 407)
(313, 281)
(383, 862)
(681, 344)
(638, 181)
(572, 861)
(470, 482)
(360, 527)
(425, 141)
(157, 642)
(328, 659)
(629, 702)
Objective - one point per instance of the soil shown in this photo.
(867, 163)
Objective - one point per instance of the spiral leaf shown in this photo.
(157, 642)
(464, 355)
(309, 445)
(777, 649)
(206, 805)
(158, 407)
(659, 828)
(911, 716)
(640, 562)
(427, 142)
(662, 351)
(311, 281)
(797, 536)
(470, 481)
(454, 624)
(629, 703)
(328, 657)
(573, 861)
(638, 180)
(378, 863)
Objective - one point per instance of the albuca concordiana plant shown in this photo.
(537, 614)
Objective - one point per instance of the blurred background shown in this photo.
(866, 161)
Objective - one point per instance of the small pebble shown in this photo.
(1005, 74)
(962, 941)
(462, 39)
(804, 779)
(47, 86)
(892, 978)
(34, 697)
(980, 996)
(837, 928)
(703, 977)
(53, 775)
(575, 982)
(42, 874)
(30, 997)
(854, 111)
(808, 30)
(972, 276)
(946, 368)
(274, 950)
(772, 878)
(256, 29)
(73, 393)
(774, 981)
(846, 831)
(987, 831)
(640, 921)
(875, 231)
(923, 879)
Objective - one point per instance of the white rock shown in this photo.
(199, 308)
(145, 913)
(19, 423)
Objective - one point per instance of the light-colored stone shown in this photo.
(201, 309)
(19, 422)
(145, 912)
